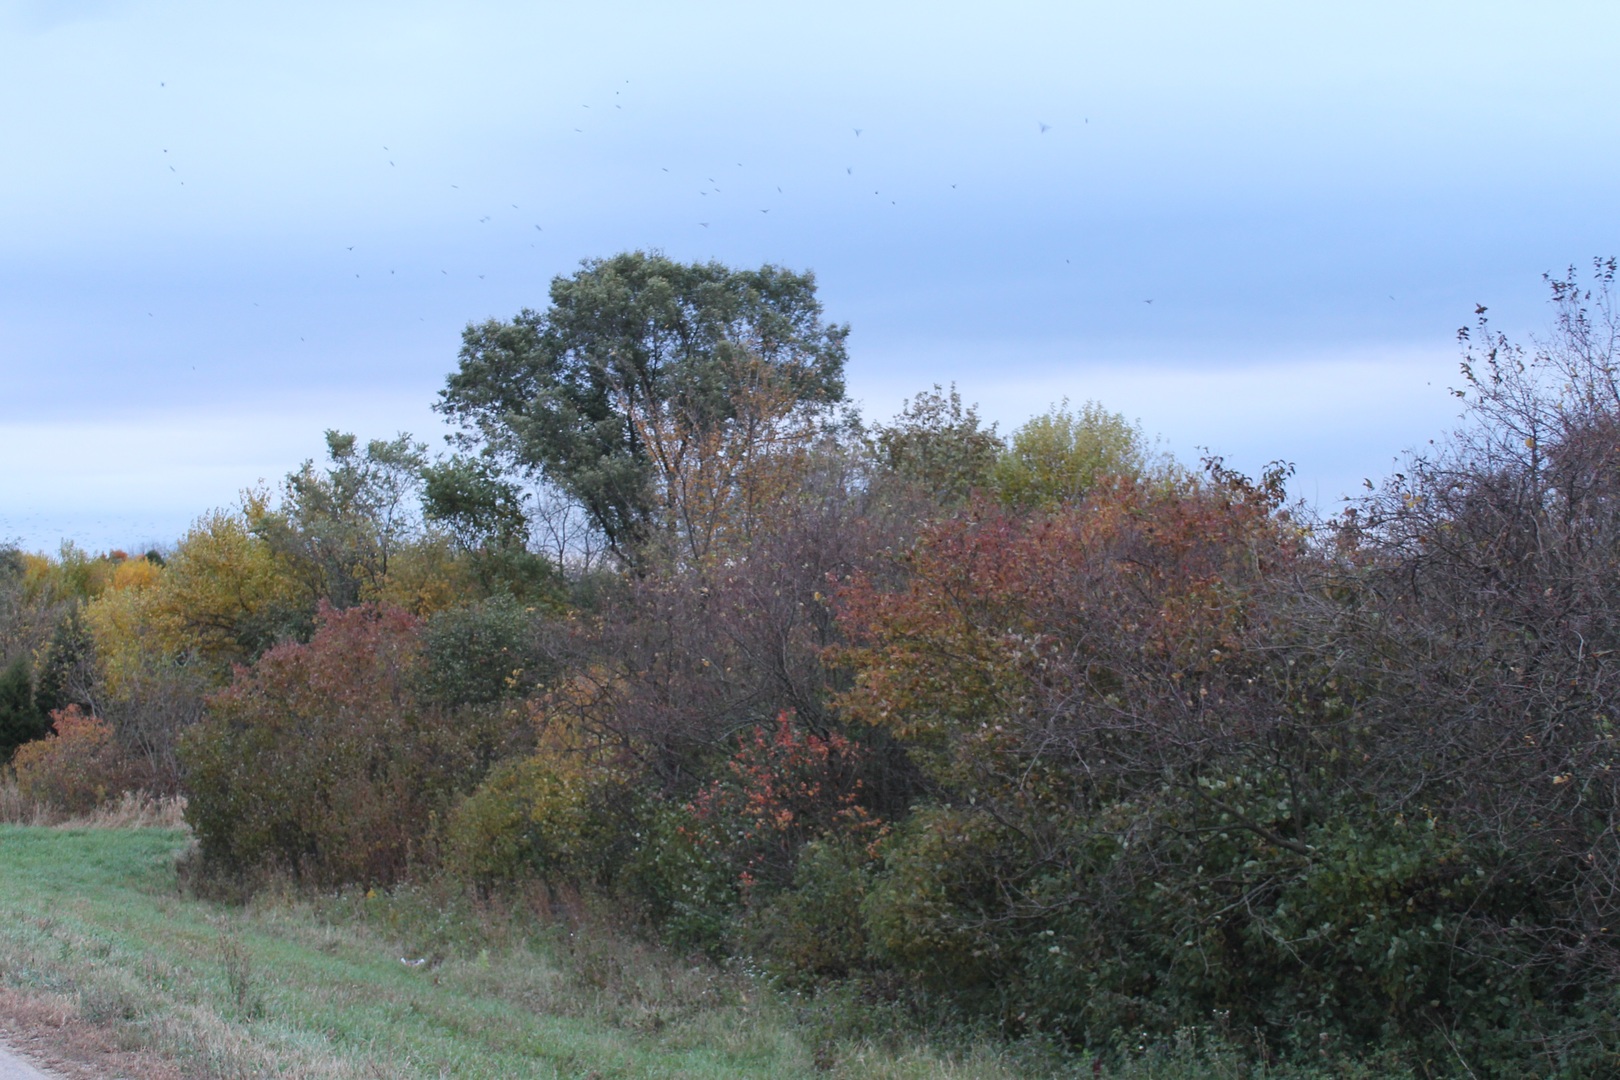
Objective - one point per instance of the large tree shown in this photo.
(632, 344)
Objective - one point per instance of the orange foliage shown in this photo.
(77, 767)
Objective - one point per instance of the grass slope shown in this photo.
(95, 919)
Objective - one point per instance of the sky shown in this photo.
(1253, 227)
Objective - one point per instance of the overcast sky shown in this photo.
(225, 228)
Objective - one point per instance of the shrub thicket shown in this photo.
(1064, 740)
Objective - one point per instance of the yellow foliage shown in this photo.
(560, 812)
(134, 574)
(222, 591)
(120, 624)
(423, 578)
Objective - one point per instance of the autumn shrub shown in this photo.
(1346, 784)
(77, 767)
(321, 760)
(813, 932)
(553, 816)
(737, 843)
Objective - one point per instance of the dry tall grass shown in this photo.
(132, 810)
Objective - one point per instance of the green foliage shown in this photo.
(1060, 456)
(937, 446)
(629, 343)
(484, 515)
(66, 668)
(21, 720)
(468, 497)
(932, 910)
(813, 932)
(337, 529)
(546, 818)
(482, 653)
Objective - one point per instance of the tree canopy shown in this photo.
(632, 343)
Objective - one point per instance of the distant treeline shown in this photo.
(1048, 729)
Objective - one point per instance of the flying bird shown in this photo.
(1045, 127)
(705, 224)
(857, 133)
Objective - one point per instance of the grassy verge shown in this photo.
(93, 920)
(96, 933)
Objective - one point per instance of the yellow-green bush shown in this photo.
(550, 816)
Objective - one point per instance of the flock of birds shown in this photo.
(711, 188)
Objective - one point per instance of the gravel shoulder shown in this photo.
(44, 1037)
(13, 1067)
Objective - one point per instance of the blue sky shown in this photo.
(225, 228)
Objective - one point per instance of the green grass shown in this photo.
(94, 923)
(95, 920)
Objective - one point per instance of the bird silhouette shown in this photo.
(705, 224)
(1044, 127)
(857, 133)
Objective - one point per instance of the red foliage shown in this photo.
(319, 757)
(785, 788)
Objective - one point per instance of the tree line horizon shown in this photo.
(1049, 730)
